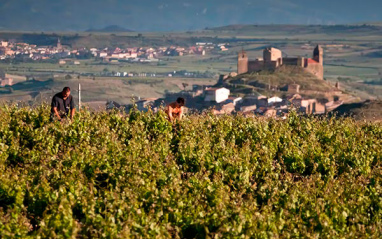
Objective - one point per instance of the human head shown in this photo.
(180, 101)
(66, 91)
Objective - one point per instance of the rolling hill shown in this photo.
(170, 15)
(111, 28)
(276, 82)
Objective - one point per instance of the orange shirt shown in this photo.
(175, 110)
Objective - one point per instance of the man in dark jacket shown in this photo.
(62, 103)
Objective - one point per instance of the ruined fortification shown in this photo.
(272, 59)
(242, 63)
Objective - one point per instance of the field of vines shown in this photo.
(136, 175)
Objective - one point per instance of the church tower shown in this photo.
(59, 46)
(242, 63)
(318, 54)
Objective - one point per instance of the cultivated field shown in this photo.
(352, 53)
(107, 175)
(120, 89)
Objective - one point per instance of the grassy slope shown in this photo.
(352, 62)
(369, 110)
(281, 77)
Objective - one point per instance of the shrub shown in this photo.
(136, 175)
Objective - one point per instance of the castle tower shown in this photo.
(318, 54)
(242, 62)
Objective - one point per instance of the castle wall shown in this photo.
(316, 69)
(255, 66)
(290, 61)
(271, 65)
(272, 59)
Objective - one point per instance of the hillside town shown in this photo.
(219, 100)
(64, 54)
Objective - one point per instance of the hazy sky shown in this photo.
(169, 15)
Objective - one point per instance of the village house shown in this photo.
(102, 54)
(5, 79)
(234, 100)
(312, 106)
(227, 108)
(216, 94)
(145, 104)
(4, 43)
(274, 100)
(307, 106)
(270, 112)
(248, 108)
(293, 88)
(332, 105)
(9, 52)
(262, 101)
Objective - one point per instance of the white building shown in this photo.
(6, 81)
(216, 94)
(274, 99)
(102, 54)
(234, 100)
(4, 43)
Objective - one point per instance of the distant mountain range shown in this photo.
(179, 15)
(111, 28)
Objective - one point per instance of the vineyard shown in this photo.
(112, 175)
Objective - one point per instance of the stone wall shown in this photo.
(316, 69)
(291, 61)
(255, 65)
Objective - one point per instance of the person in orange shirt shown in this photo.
(174, 110)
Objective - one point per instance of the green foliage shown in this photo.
(107, 175)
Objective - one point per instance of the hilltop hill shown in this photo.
(368, 110)
(267, 82)
(299, 29)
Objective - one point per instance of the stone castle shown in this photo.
(272, 59)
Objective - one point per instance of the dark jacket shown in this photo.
(63, 106)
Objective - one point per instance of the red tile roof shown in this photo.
(312, 61)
